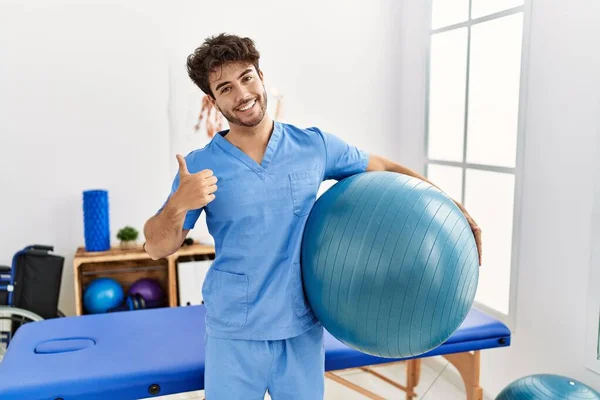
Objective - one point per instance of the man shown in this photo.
(261, 334)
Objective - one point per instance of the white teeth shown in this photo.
(248, 106)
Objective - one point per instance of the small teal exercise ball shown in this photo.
(547, 387)
(101, 295)
(389, 264)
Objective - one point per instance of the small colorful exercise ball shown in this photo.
(101, 295)
(547, 387)
(389, 263)
(149, 289)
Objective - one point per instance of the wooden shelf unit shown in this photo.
(128, 265)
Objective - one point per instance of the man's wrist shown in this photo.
(460, 206)
(173, 207)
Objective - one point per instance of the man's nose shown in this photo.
(242, 94)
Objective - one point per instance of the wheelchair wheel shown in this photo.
(10, 319)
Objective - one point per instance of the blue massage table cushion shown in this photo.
(137, 354)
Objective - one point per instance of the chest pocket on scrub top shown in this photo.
(304, 186)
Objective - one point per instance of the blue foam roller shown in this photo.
(389, 263)
(96, 220)
(547, 387)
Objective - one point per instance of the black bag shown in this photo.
(5, 282)
(37, 277)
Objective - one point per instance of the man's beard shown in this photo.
(262, 103)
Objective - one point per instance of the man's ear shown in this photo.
(213, 102)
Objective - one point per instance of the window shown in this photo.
(474, 120)
(592, 350)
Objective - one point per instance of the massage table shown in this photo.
(146, 353)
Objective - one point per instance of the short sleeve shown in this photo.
(343, 159)
(191, 216)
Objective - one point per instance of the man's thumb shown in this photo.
(183, 170)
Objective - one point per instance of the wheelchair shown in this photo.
(29, 290)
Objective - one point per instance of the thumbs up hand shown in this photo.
(195, 190)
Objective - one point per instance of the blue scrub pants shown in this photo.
(291, 369)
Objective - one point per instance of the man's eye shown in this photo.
(247, 78)
(224, 90)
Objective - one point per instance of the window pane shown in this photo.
(489, 200)
(449, 179)
(449, 12)
(447, 95)
(494, 91)
(481, 8)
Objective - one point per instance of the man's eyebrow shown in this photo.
(225, 83)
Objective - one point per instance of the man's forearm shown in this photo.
(164, 231)
(377, 163)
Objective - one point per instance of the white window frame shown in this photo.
(510, 318)
(592, 342)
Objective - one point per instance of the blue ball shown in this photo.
(101, 295)
(547, 387)
(389, 264)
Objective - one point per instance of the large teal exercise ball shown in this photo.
(547, 387)
(389, 264)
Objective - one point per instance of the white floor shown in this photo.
(438, 382)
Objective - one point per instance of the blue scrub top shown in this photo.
(253, 290)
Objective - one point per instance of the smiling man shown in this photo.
(256, 183)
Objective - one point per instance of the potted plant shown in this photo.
(128, 236)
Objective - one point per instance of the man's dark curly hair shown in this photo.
(217, 51)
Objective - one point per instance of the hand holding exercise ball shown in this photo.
(389, 263)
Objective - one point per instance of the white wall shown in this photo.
(414, 44)
(83, 97)
(334, 63)
(561, 130)
(97, 96)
